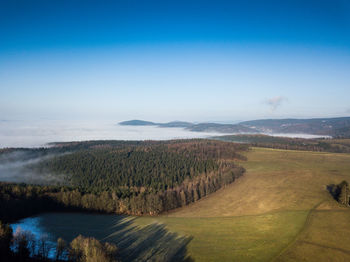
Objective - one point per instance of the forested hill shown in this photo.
(148, 123)
(200, 127)
(133, 177)
(335, 127)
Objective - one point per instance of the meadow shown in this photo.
(279, 210)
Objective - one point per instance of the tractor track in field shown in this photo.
(324, 246)
(303, 229)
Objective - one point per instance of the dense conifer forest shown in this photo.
(122, 177)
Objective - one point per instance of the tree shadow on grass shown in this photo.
(334, 190)
(152, 242)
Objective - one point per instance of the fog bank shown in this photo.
(39, 133)
(15, 167)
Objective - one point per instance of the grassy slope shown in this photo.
(279, 210)
(244, 238)
(275, 180)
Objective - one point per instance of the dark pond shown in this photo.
(152, 242)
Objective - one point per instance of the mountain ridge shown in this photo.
(335, 127)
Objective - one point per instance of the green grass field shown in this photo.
(280, 210)
(242, 238)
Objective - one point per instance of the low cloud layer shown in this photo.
(14, 168)
(275, 102)
(37, 134)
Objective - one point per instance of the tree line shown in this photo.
(23, 246)
(318, 145)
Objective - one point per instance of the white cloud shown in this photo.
(275, 102)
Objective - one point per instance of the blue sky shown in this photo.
(167, 60)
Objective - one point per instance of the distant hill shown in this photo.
(149, 123)
(176, 124)
(336, 127)
(201, 127)
(137, 123)
(221, 128)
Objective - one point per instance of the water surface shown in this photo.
(151, 242)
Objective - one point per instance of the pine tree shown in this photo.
(5, 240)
(60, 248)
(343, 195)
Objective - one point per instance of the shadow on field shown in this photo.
(334, 190)
(149, 243)
(152, 242)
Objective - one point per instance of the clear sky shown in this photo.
(174, 60)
